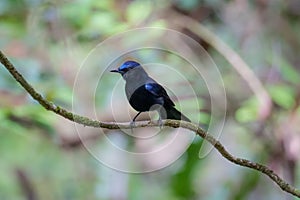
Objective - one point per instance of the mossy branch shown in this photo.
(170, 123)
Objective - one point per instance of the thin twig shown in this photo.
(26, 185)
(171, 123)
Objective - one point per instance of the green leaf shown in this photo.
(248, 111)
(137, 11)
(288, 72)
(283, 95)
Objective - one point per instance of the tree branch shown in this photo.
(171, 123)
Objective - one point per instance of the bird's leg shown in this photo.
(132, 123)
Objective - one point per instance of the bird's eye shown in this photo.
(127, 69)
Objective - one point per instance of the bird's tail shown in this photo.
(172, 113)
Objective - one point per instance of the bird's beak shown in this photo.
(114, 70)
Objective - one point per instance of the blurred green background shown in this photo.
(42, 156)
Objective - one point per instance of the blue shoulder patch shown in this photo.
(154, 88)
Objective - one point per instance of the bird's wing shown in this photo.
(158, 91)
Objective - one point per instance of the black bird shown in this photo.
(143, 92)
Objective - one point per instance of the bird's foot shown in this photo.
(132, 124)
(160, 123)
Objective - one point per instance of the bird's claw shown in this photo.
(132, 124)
(160, 123)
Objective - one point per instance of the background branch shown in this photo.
(264, 99)
(170, 123)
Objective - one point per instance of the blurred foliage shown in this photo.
(48, 41)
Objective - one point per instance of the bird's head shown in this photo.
(126, 67)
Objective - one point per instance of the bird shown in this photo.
(144, 93)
